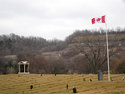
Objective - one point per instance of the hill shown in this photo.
(81, 52)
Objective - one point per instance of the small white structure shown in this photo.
(23, 67)
(123, 78)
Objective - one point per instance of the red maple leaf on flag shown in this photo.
(98, 19)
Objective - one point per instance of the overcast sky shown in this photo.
(58, 18)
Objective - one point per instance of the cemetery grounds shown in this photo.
(51, 84)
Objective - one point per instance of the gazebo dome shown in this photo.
(23, 62)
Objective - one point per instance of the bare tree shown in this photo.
(95, 52)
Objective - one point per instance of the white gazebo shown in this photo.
(23, 67)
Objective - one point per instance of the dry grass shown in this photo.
(51, 84)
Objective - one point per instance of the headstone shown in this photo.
(100, 75)
(90, 80)
(55, 74)
(123, 78)
(67, 86)
(111, 79)
(31, 86)
(74, 90)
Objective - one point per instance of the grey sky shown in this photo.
(58, 18)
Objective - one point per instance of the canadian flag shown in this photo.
(99, 20)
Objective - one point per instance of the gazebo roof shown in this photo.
(23, 62)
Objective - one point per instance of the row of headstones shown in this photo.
(100, 78)
(67, 86)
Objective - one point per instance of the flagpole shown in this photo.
(107, 52)
(107, 47)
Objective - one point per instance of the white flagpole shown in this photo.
(107, 52)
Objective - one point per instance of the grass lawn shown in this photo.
(51, 84)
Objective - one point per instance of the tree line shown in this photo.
(84, 51)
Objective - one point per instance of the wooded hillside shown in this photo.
(82, 52)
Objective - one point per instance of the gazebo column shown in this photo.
(24, 68)
(28, 67)
(19, 67)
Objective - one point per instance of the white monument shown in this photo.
(23, 67)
